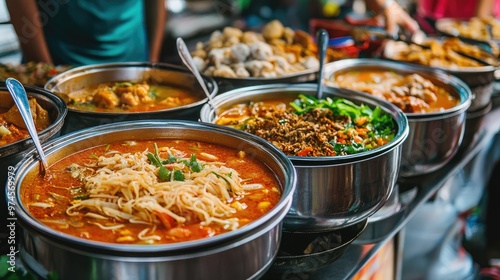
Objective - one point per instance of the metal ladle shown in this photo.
(322, 42)
(187, 59)
(20, 97)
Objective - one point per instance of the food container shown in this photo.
(229, 84)
(382, 224)
(480, 80)
(155, 73)
(484, 32)
(44, 250)
(332, 192)
(12, 153)
(434, 137)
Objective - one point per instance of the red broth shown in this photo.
(58, 193)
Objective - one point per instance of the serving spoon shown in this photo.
(20, 97)
(322, 42)
(187, 59)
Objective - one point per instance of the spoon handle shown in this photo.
(322, 41)
(189, 62)
(18, 93)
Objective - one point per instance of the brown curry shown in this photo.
(411, 93)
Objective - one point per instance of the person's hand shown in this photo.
(396, 17)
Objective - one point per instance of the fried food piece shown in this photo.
(40, 116)
(273, 30)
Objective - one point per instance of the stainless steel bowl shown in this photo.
(332, 192)
(12, 153)
(159, 73)
(434, 137)
(227, 84)
(45, 250)
(480, 80)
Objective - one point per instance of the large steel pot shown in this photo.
(480, 80)
(45, 250)
(159, 73)
(332, 192)
(434, 137)
(12, 153)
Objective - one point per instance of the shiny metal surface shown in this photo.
(332, 192)
(20, 97)
(323, 248)
(187, 59)
(12, 153)
(228, 84)
(381, 224)
(219, 257)
(163, 74)
(434, 138)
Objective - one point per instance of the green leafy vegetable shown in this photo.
(163, 173)
(193, 164)
(178, 175)
(379, 124)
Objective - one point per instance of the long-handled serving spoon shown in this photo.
(322, 41)
(187, 59)
(20, 97)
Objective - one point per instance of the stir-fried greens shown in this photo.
(308, 126)
(378, 123)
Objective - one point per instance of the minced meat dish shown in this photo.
(320, 131)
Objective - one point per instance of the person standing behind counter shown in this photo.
(83, 32)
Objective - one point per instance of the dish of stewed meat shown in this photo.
(129, 96)
(12, 126)
(313, 127)
(412, 93)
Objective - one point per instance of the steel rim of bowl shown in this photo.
(96, 68)
(269, 80)
(208, 114)
(28, 163)
(48, 132)
(462, 90)
(461, 70)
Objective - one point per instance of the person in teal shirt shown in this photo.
(83, 32)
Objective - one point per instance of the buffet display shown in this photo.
(343, 186)
(434, 102)
(231, 192)
(148, 177)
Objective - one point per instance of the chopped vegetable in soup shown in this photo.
(411, 93)
(152, 192)
(130, 97)
(12, 126)
(313, 127)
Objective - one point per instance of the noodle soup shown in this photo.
(152, 192)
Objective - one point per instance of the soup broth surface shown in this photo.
(115, 193)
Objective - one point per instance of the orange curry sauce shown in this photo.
(56, 190)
